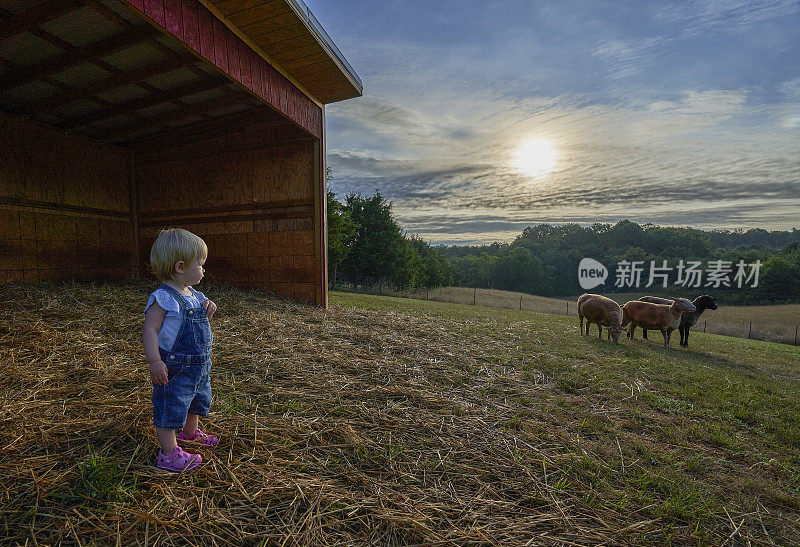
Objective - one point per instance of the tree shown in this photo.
(376, 246)
(341, 230)
(436, 270)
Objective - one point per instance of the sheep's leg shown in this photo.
(667, 335)
(686, 336)
(644, 334)
(632, 329)
(581, 317)
(600, 331)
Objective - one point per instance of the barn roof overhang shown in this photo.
(291, 38)
(98, 68)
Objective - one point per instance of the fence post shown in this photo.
(750, 331)
(567, 308)
(795, 335)
(705, 324)
(474, 296)
(520, 302)
(428, 294)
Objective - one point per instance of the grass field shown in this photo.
(394, 421)
(772, 323)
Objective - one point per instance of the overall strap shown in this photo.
(178, 296)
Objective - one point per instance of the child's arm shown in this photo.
(152, 324)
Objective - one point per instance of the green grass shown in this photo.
(775, 323)
(687, 434)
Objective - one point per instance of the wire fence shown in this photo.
(740, 321)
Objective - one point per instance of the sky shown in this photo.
(482, 117)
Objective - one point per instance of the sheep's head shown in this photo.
(705, 302)
(613, 332)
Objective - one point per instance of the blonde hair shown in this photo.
(173, 245)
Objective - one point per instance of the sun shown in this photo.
(535, 158)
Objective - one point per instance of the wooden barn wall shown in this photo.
(194, 25)
(64, 206)
(251, 198)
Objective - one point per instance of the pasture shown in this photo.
(775, 323)
(393, 421)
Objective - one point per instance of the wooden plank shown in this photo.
(244, 63)
(272, 24)
(244, 219)
(161, 120)
(191, 32)
(35, 15)
(154, 9)
(206, 33)
(262, 89)
(233, 55)
(277, 44)
(280, 35)
(274, 86)
(220, 45)
(166, 96)
(326, 66)
(248, 16)
(296, 205)
(267, 7)
(310, 58)
(79, 55)
(310, 51)
(107, 84)
(173, 18)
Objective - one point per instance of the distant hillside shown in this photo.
(543, 259)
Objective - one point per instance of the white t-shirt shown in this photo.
(173, 319)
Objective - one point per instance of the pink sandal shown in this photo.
(199, 437)
(178, 461)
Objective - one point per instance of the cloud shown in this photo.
(677, 159)
(626, 58)
(660, 119)
(790, 88)
(725, 15)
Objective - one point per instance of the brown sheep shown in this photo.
(603, 311)
(663, 317)
(702, 303)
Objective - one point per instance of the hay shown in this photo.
(337, 427)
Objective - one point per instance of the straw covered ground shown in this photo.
(429, 425)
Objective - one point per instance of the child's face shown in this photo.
(191, 273)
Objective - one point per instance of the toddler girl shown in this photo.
(177, 345)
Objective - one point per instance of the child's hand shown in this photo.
(158, 373)
(210, 307)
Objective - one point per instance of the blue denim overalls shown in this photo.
(189, 365)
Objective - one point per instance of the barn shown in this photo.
(122, 117)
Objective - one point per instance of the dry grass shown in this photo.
(344, 426)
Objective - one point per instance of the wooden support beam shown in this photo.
(77, 55)
(207, 130)
(169, 95)
(114, 82)
(42, 12)
(162, 120)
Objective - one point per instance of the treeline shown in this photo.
(368, 247)
(544, 260)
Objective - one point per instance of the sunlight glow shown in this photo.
(535, 158)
